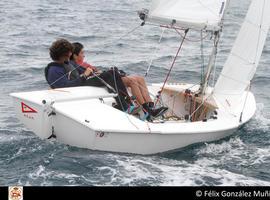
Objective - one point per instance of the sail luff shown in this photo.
(243, 60)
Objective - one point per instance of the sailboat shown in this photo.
(84, 116)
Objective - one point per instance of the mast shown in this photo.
(211, 63)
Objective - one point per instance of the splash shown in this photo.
(261, 120)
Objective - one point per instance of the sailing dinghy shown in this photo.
(84, 116)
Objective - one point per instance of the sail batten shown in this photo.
(196, 14)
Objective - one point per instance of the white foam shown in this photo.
(261, 119)
(42, 175)
(260, 156)
(224, 147)
(209, 169)
(4, 138)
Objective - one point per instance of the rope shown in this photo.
(115, 84)
(121, 37)
(104, 82)
(214, 71)
(161, 36)
(202, 57)
(190, 40)
(204, 99)
(64, 75)
(211, 63)
(181, 44)
(177, 93)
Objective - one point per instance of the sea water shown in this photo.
(27, 29)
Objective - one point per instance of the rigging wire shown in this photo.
(215, 67)
(190, 40)
(202, 57)
(124, 35)
(214, 71)
(115, 84)
(180, 47)
(204, 99)
(135, 28)
(211, 63)
(65, 74)
(155, 54)
(177, 93)
(104, 82)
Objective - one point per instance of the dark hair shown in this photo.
(77, 47)
(60, 48)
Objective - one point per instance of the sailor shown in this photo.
(61, 73)
(136, 83)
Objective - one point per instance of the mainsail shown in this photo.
(243, 60)
(195, 14)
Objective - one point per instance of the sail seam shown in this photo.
(259, 26)
(227, 93)
(229, 77)
(243, 59)
(260, 31)
(208, 9)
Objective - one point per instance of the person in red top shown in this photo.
(136, 83)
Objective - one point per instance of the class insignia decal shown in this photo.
(27, 109)
(15, 193)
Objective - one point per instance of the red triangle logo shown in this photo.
(27, 109)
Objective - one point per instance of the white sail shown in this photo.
(196, 14)
(243, 60)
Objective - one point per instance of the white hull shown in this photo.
(139, 143)
(81, 119)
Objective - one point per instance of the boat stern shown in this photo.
(33, 114)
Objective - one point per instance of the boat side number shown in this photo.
(100, 134)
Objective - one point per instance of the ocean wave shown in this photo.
(28, 29)
(82, 38)
(261, 80)
(13, 136)
(261, 121)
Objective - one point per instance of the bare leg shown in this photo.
(140, 91)
(143, 88)
(131, 82)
